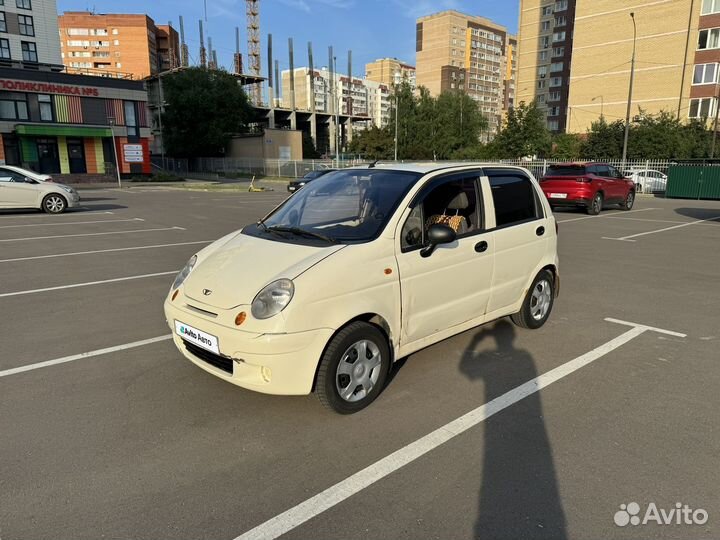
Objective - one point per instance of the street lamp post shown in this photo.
(338, 94)
(111, 121)
(602, 105)
(397, 102)
(630, 92)
(715, 123)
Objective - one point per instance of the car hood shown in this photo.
(235, 272)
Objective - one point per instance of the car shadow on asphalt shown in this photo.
(519, 495)
(700, 213)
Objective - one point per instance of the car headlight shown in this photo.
(68, 189)
(185, 272)
(272, 299)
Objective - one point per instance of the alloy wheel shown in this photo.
(358, 370)
(541, 300)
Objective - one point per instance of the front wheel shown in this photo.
(538, 303)
(353, 368)
(595, 205)
(54, 204)
(629, 201)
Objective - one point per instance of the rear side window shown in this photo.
(565, 170)
(514, 197)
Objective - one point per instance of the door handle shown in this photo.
(540, 231)
(481, 247)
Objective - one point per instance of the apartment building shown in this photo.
(121, 45)
(390, 72)
(545, 46)
(324, 92)
(28, 34)
(459, 52)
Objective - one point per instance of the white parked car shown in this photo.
(26, 172)
(363, 267)
(647, 180)
(20, 188)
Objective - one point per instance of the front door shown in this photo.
(452, 285)
(76, 156)
(15, 192)
(521, 232)
(48, 156)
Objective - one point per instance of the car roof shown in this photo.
(23, 171)
(433, 166)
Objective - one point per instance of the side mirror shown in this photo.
(438, 234)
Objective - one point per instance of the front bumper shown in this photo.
(73, 200)
(283, 364)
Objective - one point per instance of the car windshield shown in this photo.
(565, 170)
(352, 205)
(313, 174)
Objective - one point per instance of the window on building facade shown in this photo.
(559, 51)
(5, 49)
(23, 4)
(558, 36)
(554, 96)
(705, 74)
(543, 55)
(561, 5)
(78, 31)
(46, 108)
(541, 84)
(560, 21)
(709, 39)
(14, 107)
(3, 24)
(702, 108)
(29, 51)
(542, 72)
(545, 26)
(710, 6)
(556, 66)
(547, 10)
(545, 42)
(553, 125)
(26, 25)
(556, 81)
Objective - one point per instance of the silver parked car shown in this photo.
(22, 189)
(647, 180)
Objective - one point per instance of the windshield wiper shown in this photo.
(301, 232)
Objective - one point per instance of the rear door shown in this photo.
(619, 184)
(521, 234)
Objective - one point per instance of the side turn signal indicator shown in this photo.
(240, 318)
(388, 271)
(174, 296)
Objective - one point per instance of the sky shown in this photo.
(370, 28)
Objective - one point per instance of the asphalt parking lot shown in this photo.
(107, 432)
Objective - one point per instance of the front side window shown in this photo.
(5, 49)
(454, 203)
(23, 4)
(27, 27)
(29, 51)
(514, 197)
(348, 206)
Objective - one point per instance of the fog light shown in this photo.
(240, 318)
(174, 296)
(266, 373)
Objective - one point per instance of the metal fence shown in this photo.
(218, 168)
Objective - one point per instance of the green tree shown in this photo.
(604, 141)
(373, 143)
(203, 110)
(524, 133)
(567, 146)
(308, 147)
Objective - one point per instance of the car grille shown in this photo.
(215, 360)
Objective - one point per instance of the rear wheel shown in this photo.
(629, 201)
(595, 205)
(538, 303)
(54, 204)
(353, 369)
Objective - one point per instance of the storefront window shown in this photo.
(13, 107)
(46, 109)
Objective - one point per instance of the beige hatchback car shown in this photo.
(23, 190)
(363, 267)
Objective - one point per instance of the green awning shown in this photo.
(66, 131)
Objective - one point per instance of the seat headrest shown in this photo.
(459, 202)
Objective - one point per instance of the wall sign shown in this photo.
(48, 88)
(133, 153)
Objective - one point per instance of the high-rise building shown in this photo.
(578, 71)
(336, 92)
(28, 34)
(123, 45)
(459, 52)
(545, 52)
(390, 71)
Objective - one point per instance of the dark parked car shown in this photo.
(591, 186)
(296, 184)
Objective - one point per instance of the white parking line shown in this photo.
(86, 284)
(103, 251)
(41, 215)
(292, 518)
(630, 238)
(70, 223)
(92, 234)
(605, 216)
(65, 359)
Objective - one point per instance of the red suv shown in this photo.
(587, 185)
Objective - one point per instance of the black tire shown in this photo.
(595, 205)
(629, 201)
(525, 318)
(340, 349)
(54, 203)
